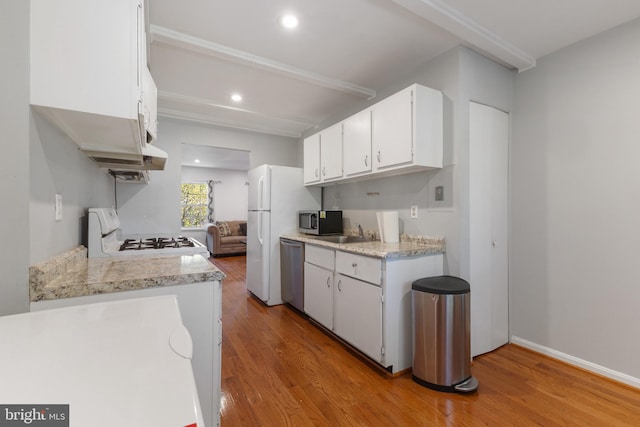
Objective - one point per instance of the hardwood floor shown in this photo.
(278, 369)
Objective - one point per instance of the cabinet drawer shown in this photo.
(360, 267)
(322, 257)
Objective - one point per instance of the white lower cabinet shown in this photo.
(318, 294)
(366, 301)
(358, 315)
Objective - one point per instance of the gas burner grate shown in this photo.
(156, 243)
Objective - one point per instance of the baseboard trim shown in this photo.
(584, 364)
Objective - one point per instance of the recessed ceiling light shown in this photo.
(289, 21)
(236, 97)
(197, 160)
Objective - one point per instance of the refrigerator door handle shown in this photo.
(260, 216)
(261, 192)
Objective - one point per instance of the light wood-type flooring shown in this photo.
(278, 369)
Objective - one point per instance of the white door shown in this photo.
(488, 198)
(331, 152)
(392, 130)
(259, 185)
(311, 158)
(318, 294)
(258, 254)
(359, 315)
(356, 143)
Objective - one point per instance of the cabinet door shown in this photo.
(318, 294)
(331, 153)
(311, 149)
(359, 315)
(84, 56)
(356, 144)
(392, 130)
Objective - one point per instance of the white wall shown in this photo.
(230, 193)
(14, 174)
(575, 198)
(155, 208)
(57, 167)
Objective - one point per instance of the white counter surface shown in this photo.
(407, 247)
(124, 363)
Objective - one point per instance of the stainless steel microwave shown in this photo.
(320, 222)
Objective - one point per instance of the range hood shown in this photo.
(151, 158)
(130, 176)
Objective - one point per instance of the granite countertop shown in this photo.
(72, 274)
(407, 246)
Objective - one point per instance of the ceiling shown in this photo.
(202, 51)
(203, 156)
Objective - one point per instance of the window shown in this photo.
(194, 204)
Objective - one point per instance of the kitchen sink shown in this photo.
(344, 239)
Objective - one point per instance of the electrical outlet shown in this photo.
(439, 193)
(414, 211)
(58, 207)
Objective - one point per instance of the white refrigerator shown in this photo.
(276, 194)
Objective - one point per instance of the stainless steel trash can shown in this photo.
(441, 334)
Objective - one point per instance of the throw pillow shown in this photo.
(243, 228)
(224, 228)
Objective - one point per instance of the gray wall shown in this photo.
(575, 197)
(14, 174)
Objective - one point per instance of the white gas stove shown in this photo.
(104, 241)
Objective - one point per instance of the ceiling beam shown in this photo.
(206, 47)
(200, 102)
(201, 118)
(447, 17)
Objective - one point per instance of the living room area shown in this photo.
(214, 195)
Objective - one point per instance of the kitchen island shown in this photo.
(73, 279)
(361, 291)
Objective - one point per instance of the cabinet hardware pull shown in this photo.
(366, 160)
(378, 156)
(494, 244)
(339, 287)
(324, 172)
(316, 172)
(328, 279)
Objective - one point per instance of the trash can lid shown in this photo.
(442, 285)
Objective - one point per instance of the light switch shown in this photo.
(414, 211)
(58, 207)
(439, 193)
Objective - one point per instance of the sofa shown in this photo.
(227, 237)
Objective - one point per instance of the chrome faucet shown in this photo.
(360, 232)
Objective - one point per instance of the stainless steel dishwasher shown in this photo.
(292, 272)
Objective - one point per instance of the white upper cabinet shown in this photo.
(311, 154)
(323, 156)
(400, 134)
(331, 153)
(356, 144)
(407, 130)
(87, 70)
(392, 130)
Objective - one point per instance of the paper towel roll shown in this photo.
(390, 228)
(380, 219)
